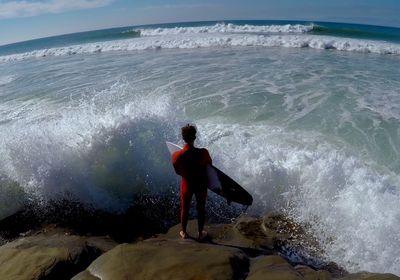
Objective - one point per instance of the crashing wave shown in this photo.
(228, 28)
(190, 41)
(349, 196)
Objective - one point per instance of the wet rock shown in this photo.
(310, 274)
(251, 228)
(250, 248)
(49, 255)
(273, 268)
(334, 269)
(229, 235)
(160, 258)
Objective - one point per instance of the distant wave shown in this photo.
(228, 28)
(190, 41)
(130, 33)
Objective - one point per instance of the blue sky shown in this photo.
(27, 19)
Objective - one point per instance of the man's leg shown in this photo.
(186, 198)
(201, 198)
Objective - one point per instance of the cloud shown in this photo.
(180, 6)
(14, 9)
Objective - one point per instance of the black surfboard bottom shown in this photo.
(232, 191)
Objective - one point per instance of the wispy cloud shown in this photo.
(13, 9)
(180, 6)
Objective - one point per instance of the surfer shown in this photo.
(191, 163)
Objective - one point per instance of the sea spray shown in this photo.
(311, 132)
(350, 208)
(12, 197)
(98, 155)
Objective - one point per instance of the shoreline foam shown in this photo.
(215, 40)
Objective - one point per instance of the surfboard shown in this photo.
(220, 183)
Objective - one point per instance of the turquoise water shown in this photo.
(358, 31)
(306, 116)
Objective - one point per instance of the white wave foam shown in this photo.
(352, 208)
(47, 136)
(215, 41)
(228, 28)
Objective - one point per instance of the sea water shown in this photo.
(306, 116)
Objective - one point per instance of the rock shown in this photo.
(310, 274)
(271, 233)
(245, 249)
(334, 269)
(278, 227)
(284, 232)
(161, 258)
(232, 235)
(49, 255)
(370, 276)
(272, 268)
(251, 228)
(222, 234)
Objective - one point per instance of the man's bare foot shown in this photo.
(202, 235)
(184, 235)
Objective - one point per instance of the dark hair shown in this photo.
(189, 133)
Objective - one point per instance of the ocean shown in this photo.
(304, 115)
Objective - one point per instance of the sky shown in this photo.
(29, 19)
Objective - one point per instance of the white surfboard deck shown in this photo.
(214, 183)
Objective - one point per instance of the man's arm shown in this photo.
(175, 163)
(207, 157)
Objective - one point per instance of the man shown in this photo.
(191, 164)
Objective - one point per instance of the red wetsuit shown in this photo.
(191, 164)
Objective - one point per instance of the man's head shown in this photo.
(189, 133)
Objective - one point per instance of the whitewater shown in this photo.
(307, 120)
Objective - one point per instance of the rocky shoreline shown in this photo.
(248, 248)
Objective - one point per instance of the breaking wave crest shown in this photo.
(96, 150)
(217, 40)
(228, 28)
